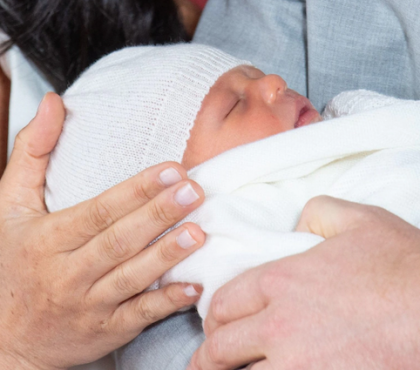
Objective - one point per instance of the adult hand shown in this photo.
(72, 282)
(352, 302)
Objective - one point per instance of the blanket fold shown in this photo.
(368, 151)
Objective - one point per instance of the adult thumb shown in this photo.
(328, 217)
(22, 184)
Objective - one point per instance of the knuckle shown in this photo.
(365, 215)
(275, 279)
(99, 216)
(90, 301)
(100, 327)
(194, 362)
(306, 211)
(214, 349)
(217, 307)
(92, 324)
(271, 329)
(165, 253)
(313, 204)
(277, 323)
(125, 281)
(142, 192)
(23, 143)
(115, 245)
(268, 279)
(272, 325)
(161, 216)
(104, 326)
(175, 297)
(52, 298)
(20, 139)
(36, 249)
(146, 312)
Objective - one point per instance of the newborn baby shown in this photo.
(138, 107)
(244, 106)
(189, 103)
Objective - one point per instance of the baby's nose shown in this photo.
(271, 87)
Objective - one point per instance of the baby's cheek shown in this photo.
(259, 127)
(199, 149)
(188, 160)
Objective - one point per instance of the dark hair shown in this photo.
(64, 37)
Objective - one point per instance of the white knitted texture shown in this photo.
(255, 193)
(357, 101)
(131, 110)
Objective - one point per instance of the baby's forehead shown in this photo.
(151, 91)
(231, 80)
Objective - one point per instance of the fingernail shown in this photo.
(185, 240)
(190, 291)
(170, 177)
(186, 195)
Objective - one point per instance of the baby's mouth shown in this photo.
(306, 113)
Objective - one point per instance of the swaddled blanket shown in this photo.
(255, 193)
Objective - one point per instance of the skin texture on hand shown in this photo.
(352, 302)
(72, 282)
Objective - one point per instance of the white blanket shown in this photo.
(255, 193)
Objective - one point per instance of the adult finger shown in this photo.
(241, 297)
(23, 181)
(134, 232)
(327, 216)
(138, 273)
(230, 346)
(77, 225)
(134, 315)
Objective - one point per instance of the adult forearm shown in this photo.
(4, 118)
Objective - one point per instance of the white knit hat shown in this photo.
(131, 110)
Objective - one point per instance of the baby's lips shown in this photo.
(309, 117)
(306, 112)
(319, 119)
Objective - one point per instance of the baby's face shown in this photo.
(243, 106)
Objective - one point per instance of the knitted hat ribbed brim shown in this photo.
(131, 110)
